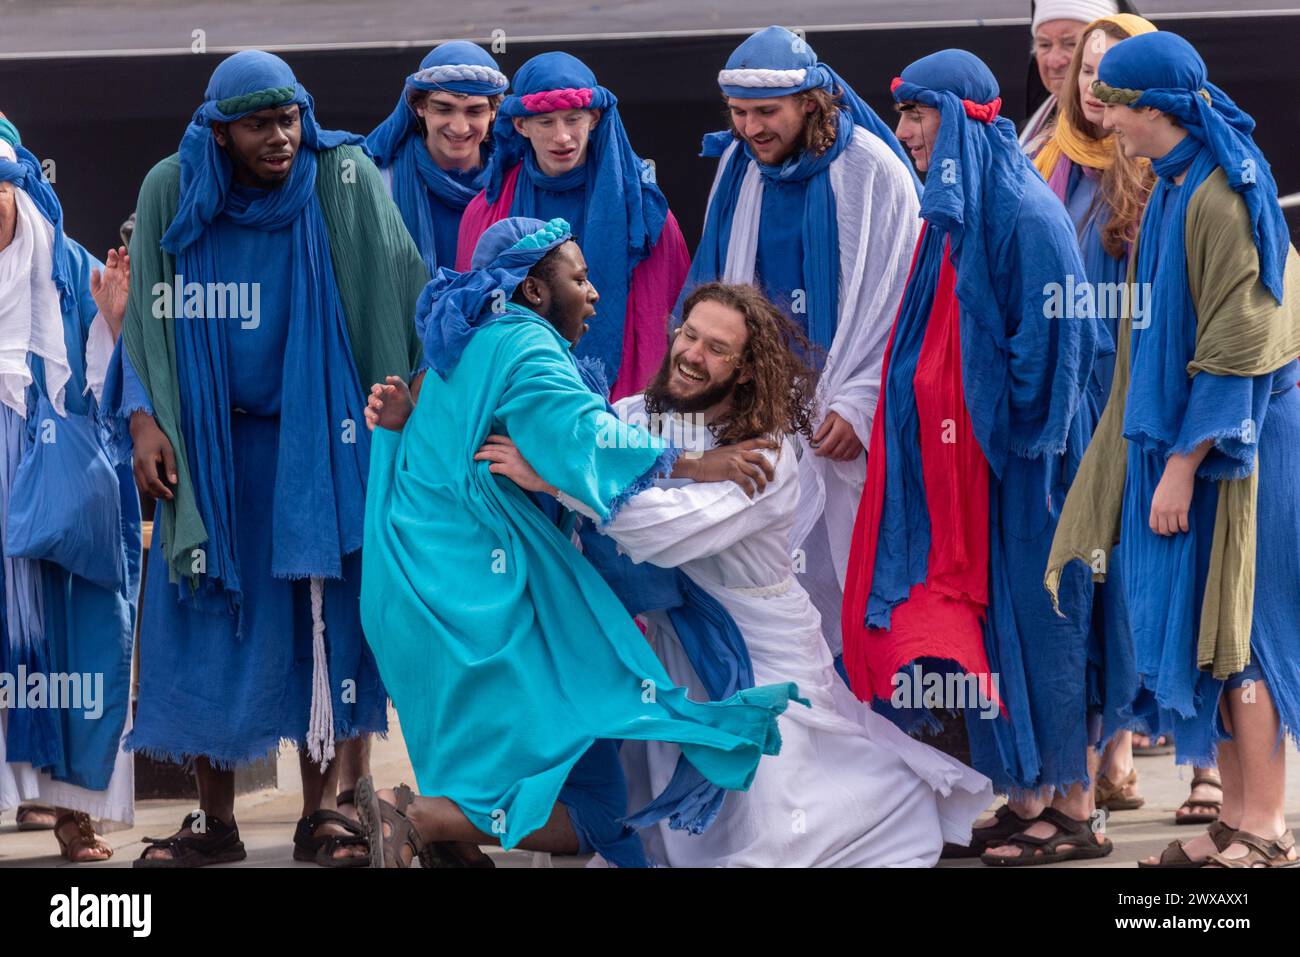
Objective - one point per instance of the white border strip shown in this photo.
(184, 50)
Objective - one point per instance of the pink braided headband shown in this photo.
(548, 101)
(984, 112)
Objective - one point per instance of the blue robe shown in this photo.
(89, 628)
(234, 698)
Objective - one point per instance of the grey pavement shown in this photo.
(267, 818)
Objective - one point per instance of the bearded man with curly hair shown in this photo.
(848, 789)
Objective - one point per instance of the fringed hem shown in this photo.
(233, 761)
(662, 467)
(1039, 449)
(1228, 465)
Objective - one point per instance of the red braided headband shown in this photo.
(984, 112)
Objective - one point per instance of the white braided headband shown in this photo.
(762, 79)
(453, 72)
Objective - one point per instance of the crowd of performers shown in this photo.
(641, 546)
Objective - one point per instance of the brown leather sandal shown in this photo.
(1213, 808)
(85, 839)
(1110, 794)
(1006, 824)
(1175, 854)
(375, 813)
(26, 812)
(216, 843)
(1073, 841)
(1260, 852)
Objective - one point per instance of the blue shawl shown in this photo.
(318, 520)
(456, 67)
(625, 211)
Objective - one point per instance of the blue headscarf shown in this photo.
(454, 67)
(625, 209)
(317, 520)
(980, 189)
(775, 62)
(25, 173)
(453, 306)
(1170, 76)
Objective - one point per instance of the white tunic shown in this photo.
(848, 788)
(877, 213)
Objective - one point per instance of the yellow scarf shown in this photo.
(1073, 143)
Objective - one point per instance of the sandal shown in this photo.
(1260, 852)
(1076, 836)
(375, 813)
(1153, 748)
(1111, 797)
(86, 838)
(320, 848)
(1175, 854)
(1007, 824)
(218, 844)
(1204, 817)
(28, 810)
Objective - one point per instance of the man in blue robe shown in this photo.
(272, 277)
(433, 149)
(981, 424)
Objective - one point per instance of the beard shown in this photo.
(658, 395)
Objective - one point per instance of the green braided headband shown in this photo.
(1122, 96)
(259, 100)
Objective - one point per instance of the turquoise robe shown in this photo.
(505, 653)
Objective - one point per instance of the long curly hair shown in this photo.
(1126, 186)
(780, 396)
(820, 126)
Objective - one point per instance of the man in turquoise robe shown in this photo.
(510, 685)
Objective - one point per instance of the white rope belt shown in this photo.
(766, 591)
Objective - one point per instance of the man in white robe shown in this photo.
(803, 151)
(848, 788)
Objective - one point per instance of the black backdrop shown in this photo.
(105, 121)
